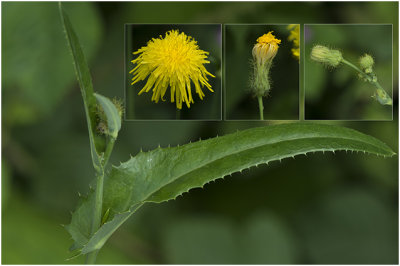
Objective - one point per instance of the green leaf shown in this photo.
(80, 225)
(113, 118)
(85, 83)
(165, 173)
(101, 236)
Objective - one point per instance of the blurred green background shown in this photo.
(282, 103)
(318, 208)
(140, 107)
(338, 93)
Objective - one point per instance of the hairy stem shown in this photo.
(261, 107)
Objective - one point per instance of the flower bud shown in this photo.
(266, 48)
(102, 126)
(324, 55)
(260, 81)
(264, 52)
(119, 105)
(366, 63)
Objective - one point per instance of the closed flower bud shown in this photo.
(324, 55)
(102, 127)
(260, 81)
(366, 63)
(266, 48)
(119, 105)
(264, 52)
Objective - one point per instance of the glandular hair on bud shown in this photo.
(366, 63)
(119, 105)
(326, 56)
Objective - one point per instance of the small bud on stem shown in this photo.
(366, 63)
(326, 56)
(264, 51)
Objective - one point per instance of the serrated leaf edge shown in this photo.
(222, 177)
(385, 149)
(256, 165)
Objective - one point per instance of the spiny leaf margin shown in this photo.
(165, 173)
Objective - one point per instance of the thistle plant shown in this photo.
(164, 174)
(174, 61)
(334, 58)
(264, 52)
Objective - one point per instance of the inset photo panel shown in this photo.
(173, 71)
(261, 77)
(348, 72)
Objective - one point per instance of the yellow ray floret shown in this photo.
(173, 61)
(266, 48)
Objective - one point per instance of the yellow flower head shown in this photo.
(173, 61)
(295, 38)
(266, 48)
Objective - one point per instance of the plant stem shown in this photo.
(91, 257)
(362, 73)
(261, 107)
(354, 67)
(108, 151)
(376, 83)
(98, 204)
(96, 220)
